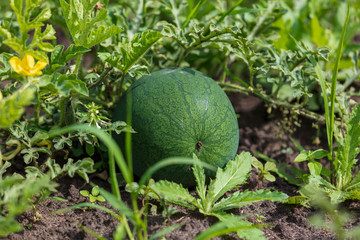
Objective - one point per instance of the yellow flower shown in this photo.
(27, 66)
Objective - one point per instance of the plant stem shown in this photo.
(297, 109)
(90, 99)
(63, 103)
(77, 66)
(101, 79)
(37, 113)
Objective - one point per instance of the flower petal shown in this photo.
(37, 69)
(16, 64)
(28, 62)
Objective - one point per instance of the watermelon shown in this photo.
(178, 112)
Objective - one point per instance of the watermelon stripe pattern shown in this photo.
(178, 112)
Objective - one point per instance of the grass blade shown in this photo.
(334, 80)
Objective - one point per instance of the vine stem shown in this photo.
(301, 111)
(63, 103)
(77, 66)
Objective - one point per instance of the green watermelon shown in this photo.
(178, 112)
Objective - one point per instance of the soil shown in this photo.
(259, 131)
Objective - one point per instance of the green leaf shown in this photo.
(85, 193)
(69, 83)
(132, 52)
(315, 168)
(95, 191)
(270, 166)
(316, 184)
(61, 141)
(90, 149)
(298, 200)
(92, 198)
(318, 33)
(83, 26)
(12, 107)
(174, 193)
(232, 223)
(199, 174)
(257, 164)
(319, 153)
(303, 156)
(59, 58)
(81, 167)
(39, 40)
(18, 193)
(269, 177)
(5, 33)
(234, 174)
(5, 67)
(32, 153)
(288, 173)
(240, 199)
(100, 34)
(100, 198)
(348, 148)
(64, 85)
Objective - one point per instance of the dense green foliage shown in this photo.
(68, 62)
(178, 112)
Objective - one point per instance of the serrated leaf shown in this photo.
(349, 148)
(297, 200)
(83, 25)
(43, 16)
(100, 34)
(59, 58)
(200, 178)
(81, 167)
(132, 51)
(40, 55)
(317, 184)
(14, 43)
(5, 67)
(5, 33)
(12, 107)
(59, 142)
(174, 193)
(73, 51)
(234, 173)
(354, 184)
(240, 199)
(233, 223)
(64, 85)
